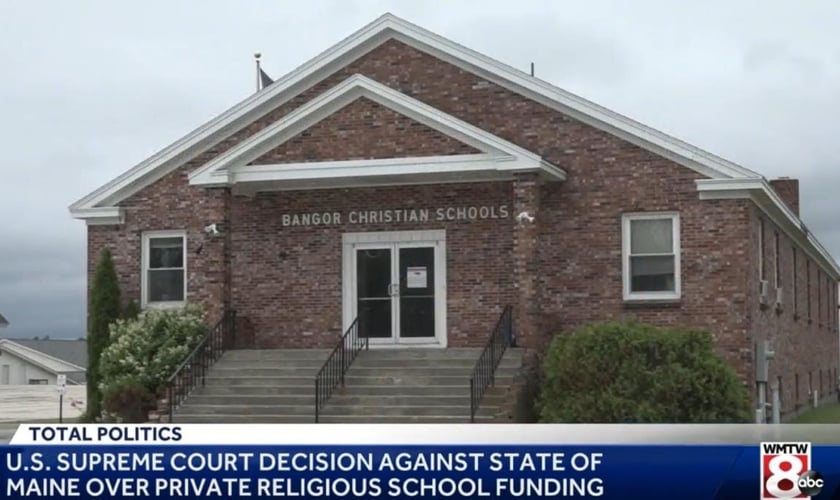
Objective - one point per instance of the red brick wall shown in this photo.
(287, 280)
(363, 130)
(802, 347)
(295, 300)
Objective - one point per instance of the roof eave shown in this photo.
(99, 216)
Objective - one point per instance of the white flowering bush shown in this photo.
(145, 351)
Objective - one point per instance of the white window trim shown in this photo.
(625, 256)
(144, 270)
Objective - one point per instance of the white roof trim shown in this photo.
(769, 201)
(386, 27)
(38, 358)
(100, 216)
(362, 41)
(232, 166)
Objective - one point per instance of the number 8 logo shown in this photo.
(791, 475)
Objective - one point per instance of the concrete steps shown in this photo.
(417, 385)
(382, 386)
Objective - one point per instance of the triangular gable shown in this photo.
(233, 166)
(364, 130)
(101, 204)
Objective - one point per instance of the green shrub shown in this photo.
(104, 310)
(146, 350)
(131, 311)
(129, 403)
(632, 372)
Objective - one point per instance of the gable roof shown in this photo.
(100, 206)
(496, 154)
(70, 351)
(52, 364)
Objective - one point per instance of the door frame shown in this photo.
(432, 238)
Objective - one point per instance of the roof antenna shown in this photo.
(532, 69)
(257, 59)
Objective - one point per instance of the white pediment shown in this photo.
(497, 158)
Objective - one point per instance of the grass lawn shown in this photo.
(826, 414)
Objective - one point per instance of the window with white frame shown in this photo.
(164, 268)
(651, 256)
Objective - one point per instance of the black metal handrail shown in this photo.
(195, 366)
(484, 373)
(331, 375)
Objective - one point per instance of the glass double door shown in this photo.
(395, 292)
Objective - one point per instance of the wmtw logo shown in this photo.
(786, 471)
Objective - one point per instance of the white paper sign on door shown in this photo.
(416, 277)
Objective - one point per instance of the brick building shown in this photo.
(411, 182)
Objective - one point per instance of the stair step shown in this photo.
(304, 364)
(301, 399)
(419, 410)
(416, 371)
(276, 354)
(401, 419)
(256, 390)
(352, 380)
(366, 390)
(423, 353)
(465, 364)
(243, 419)
(216, 380)
(227, 371)
(352, 399)
(245, 409)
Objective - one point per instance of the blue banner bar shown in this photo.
(455, 472)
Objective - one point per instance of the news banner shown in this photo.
(501, 461)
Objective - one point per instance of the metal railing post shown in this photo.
(317, 399)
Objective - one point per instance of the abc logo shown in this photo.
(810, 483)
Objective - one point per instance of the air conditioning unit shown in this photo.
(764, 293)
(779, 301)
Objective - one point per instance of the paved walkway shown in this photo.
(20, 403)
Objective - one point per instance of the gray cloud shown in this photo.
(92, 87)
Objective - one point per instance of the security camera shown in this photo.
(212, 230)
(525, 216)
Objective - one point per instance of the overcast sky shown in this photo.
(90, 88)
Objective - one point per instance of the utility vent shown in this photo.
(779, 301)
(764, 293)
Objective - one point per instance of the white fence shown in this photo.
(20, 403)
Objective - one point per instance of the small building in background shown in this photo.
(39, 362)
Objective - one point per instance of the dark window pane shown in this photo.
(166, 286)
(373, 272)
(417, 317)
(375, 318)
(417, 271)
(652, 274)
(166, 252)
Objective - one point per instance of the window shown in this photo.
(164, 268)
(793, 280)
(778, 259)
(781, 392)
(38, 381)
(808, 288)
(819, 299)
(651, 256)
(761, 275)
